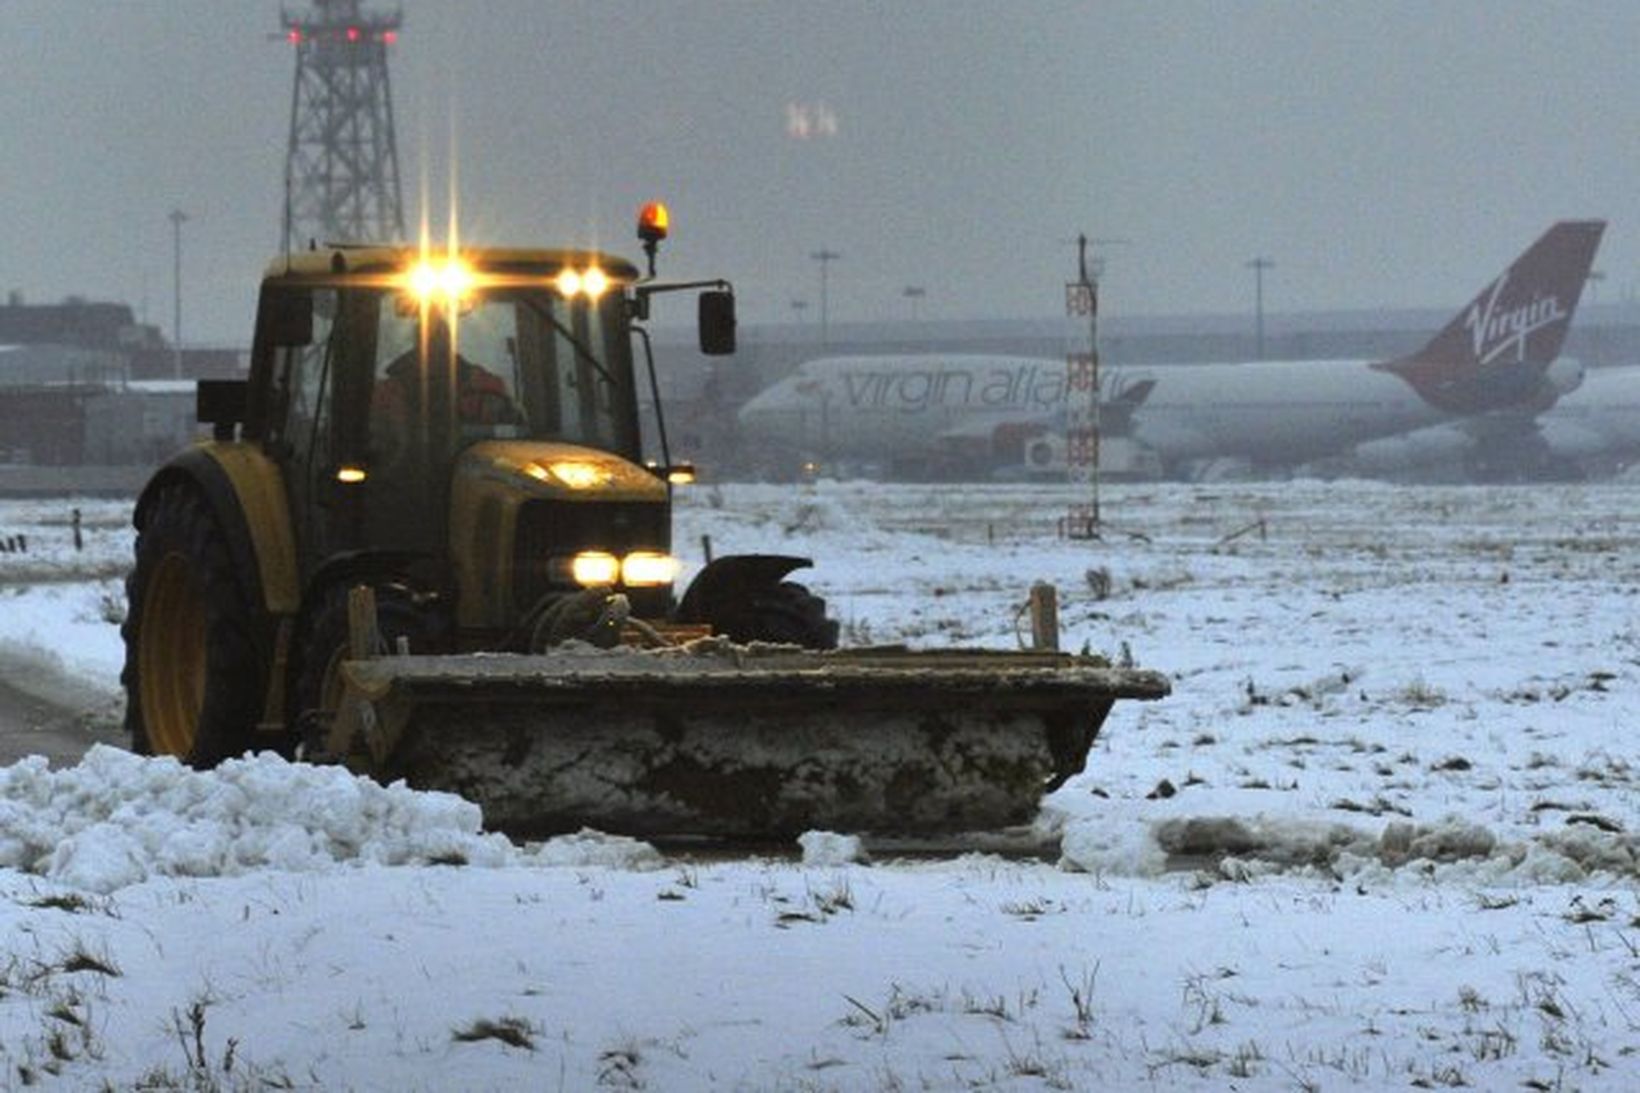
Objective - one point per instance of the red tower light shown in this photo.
(390, 37)
(353, 34)
(295, 36)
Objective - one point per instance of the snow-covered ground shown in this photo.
(1381, 836)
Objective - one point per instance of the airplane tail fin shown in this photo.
(1116, 412)
(1494, 352)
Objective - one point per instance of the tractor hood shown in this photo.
(565, 472)
(512, 500)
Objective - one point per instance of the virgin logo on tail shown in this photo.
(1496, 332)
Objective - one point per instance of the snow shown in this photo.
(1382, 835)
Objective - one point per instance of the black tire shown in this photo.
(314, 686)
(193, 678)
(787, 612)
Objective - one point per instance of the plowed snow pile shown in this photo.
(117, 819)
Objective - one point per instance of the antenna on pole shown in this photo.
(177, 219)
(1258, 266)
(1082, 422)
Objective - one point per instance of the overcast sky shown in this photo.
(1378, 153)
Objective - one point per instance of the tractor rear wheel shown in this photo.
(192, 675)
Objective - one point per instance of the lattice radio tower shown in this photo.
(342, 167)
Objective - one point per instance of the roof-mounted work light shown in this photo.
(433, 280)
(591, 282)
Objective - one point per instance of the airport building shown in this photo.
(84, 384)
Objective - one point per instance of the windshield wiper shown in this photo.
(568, 335)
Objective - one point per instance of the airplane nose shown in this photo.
(755, 413)
(783, 412)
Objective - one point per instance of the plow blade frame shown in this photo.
(739, 743)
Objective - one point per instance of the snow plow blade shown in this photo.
(731, 741)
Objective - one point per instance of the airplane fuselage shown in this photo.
(1269, 411)
(885, 408)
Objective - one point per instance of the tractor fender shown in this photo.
(733, 579)
(246, 493)
(415, 574)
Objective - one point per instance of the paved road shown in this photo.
(62, 729)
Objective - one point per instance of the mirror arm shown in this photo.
(647, 289)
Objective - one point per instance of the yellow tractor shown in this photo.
(424, 540)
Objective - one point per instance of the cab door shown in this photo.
(302, 421)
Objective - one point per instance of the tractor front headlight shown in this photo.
(592, 568)
(600, 568)
(647, 569)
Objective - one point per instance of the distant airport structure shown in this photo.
(83, 383)
(1497, 363)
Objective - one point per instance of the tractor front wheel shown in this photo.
(316, 678)
(788, 612)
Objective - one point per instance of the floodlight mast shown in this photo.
(342, 168)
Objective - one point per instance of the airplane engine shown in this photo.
(1565, 375)
(1045, 454)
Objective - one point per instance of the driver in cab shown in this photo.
(482, 397)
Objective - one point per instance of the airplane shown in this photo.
(1497, 355)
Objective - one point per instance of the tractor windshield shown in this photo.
(516, 364)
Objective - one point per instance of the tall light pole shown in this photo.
(177, 218)
(825, 258)
(1258, 266)
(915, 294)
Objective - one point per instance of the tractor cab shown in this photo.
(472, 416)
(378, 369)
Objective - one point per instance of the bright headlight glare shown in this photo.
(647, 568)
(456, 280)
(594, 282)
(423, 280)
(594, 567)
(569, 282)
(429, 280)
(578, 474)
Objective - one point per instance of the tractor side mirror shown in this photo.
(289, 318)
(221, 404)
(717, 323)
